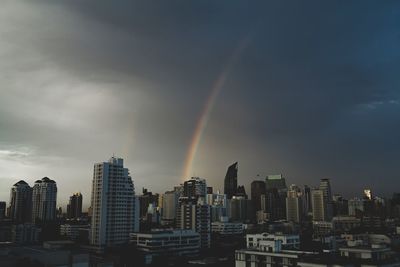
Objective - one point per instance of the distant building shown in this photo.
(294, 204)
(257, 189)
(195, 188)
(2, 210)
(239, 209)
(196, 217)
(356, 206)
(44, 200)
(230, 182)
(26, 233)
(167, 243)
(275, 197)
(254, 241)
(318, 206)
(74, 207)
(218, 204)
(227, 228)
(113, 203)
(21, 203)
(325, 186)
(74, 231)
(170, 205)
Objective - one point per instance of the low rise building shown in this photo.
(253, 241)
(227, 228)
(167, 243)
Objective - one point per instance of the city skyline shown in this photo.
(187, 89)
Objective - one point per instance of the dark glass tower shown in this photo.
(257, 189)
(230, 182)
(74, 208)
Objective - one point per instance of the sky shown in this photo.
(309, 89)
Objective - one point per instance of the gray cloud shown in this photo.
(314, 93)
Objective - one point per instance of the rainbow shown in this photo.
(205, 114)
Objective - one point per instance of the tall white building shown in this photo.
(44, 200)
(113, 204)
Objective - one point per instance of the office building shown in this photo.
(257, 189)
(170, 205)
(74, 207)
(325, 186)
(294, 205)
(230, 182)
(21, 203)
(44, 200)
(114, 214)
(195, 188)
(275, 197)
(318, 206)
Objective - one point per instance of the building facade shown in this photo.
(114, 215)
(44, 200)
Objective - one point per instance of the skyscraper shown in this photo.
(275, 196)
(257, 189)
(195, 217)
(325, 186)
(44, 200)
(170, 205)
(230, 182)
(294, 204)
(113, 203)
(318, 205)
(74, 207)
(195, 188)
(21, 202)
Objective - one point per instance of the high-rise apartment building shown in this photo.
(325, 186)
(294, 204)
(230, 182)
(74, 207)
(113, 202)
(318, 205)
(195, 217)
(195, 188)
(44, 200)
(21, 203)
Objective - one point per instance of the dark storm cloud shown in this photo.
(314, 93)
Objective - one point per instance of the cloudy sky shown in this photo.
(310, 90)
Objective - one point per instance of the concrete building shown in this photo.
(254, 241)
(196, 217)
(74, 231)
(224, 227)
(26, 233)
(20, 210)
(195, 188)
(356, 206)
(74, 207)
(170, 204)
(44, 200)
(325, 186)
(113, 202)
(318, 205)
(294, 204)
(167, 243)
